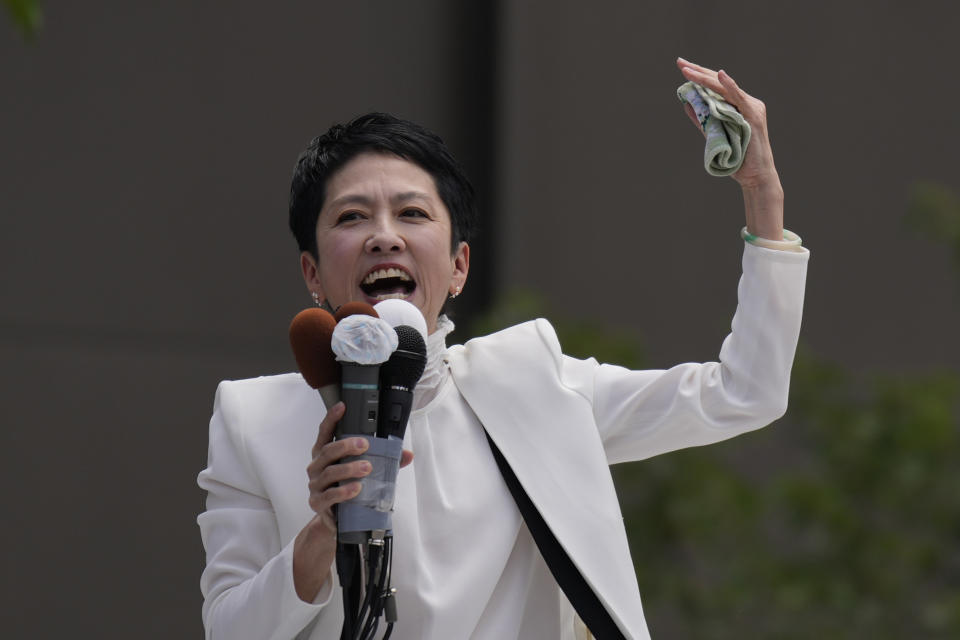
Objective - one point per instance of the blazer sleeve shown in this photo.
(247, 584)
(640, 414)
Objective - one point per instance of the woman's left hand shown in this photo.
(758, 169)
(758, 178)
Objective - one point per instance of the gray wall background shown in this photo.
(145, 154)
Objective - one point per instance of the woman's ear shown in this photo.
(311, 274)
(461, 266)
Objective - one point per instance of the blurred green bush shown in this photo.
(26, 15)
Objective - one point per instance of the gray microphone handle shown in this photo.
(360, 392)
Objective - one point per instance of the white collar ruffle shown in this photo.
(436, 370)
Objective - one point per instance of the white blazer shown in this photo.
(559, 422)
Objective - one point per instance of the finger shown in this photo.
(334, 473)
(730, 85)
(686, 63)
(320, 502)
(726, 88)
(753, 109)
(406, 458)
(327, 427)
(334, 451)
(706, 78)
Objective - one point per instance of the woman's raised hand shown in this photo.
(758, 169)
(757, 176)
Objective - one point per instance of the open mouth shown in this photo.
(384, 284)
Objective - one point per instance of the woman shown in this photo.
(380, 210)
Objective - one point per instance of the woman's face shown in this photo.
(384, 233)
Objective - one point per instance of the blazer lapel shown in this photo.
(547, 435)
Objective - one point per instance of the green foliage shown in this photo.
(840, 521)
(26, 15)
(934, 210)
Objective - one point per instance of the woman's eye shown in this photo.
(414, 213)
(348, 216)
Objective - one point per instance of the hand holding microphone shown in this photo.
(328, 474)
(361, 343)
(311, 333)
(379, 364)
(316, 544)
(375, 367)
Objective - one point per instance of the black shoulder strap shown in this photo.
(578, 592)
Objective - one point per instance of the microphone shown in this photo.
(398, 377)
(398, 312)
(362, 343)
(310, 334)
(354, 308)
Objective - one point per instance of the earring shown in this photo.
(455, 293)
(316, 298)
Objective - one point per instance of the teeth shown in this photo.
(373, 276)
(391, 296)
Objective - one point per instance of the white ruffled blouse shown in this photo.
(465, 565)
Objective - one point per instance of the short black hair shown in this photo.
(384, 133)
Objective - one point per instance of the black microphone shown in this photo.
(398, 377)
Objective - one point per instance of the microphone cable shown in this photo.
(379, 599)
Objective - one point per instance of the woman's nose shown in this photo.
(385, 238)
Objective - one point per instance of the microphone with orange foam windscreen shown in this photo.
(310, 334)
